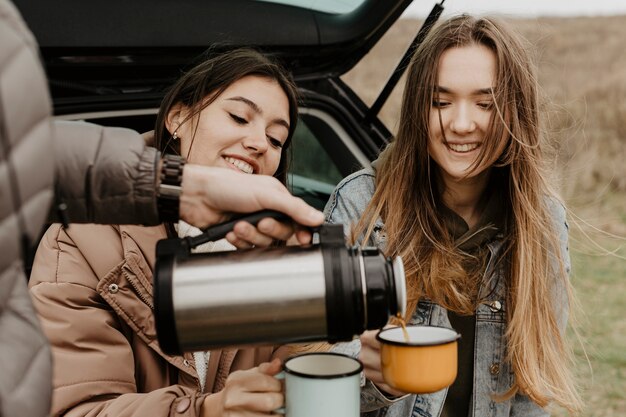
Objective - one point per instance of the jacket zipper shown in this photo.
(138, 291)
(151, 305)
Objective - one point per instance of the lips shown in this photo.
(462, 147)
(240, 164)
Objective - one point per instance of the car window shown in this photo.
(310, 159)
(329, 6)
(322, 155)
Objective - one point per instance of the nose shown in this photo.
(256, 141)
(463, 119)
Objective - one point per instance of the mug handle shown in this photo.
(280, 410)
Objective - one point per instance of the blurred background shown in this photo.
(579, 47)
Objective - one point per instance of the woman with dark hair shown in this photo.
(204, 83)
(462, 195)
(92, 284)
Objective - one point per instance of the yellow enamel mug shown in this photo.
(425, 364)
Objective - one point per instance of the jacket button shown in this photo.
(494, 369)
(183, 405)
(113, 288)
(495, 306)
(186, 362)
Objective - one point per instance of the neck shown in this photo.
(464, 196)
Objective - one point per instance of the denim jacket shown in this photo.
(492, 372)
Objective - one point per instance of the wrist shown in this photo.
(169, 187)
(387, 393)
(211, 406)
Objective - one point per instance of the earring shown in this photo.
(175, 135)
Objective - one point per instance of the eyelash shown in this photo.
(238, 120)
(275, 142)
(438, 104)
(241, 121)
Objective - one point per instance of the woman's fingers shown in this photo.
(253, 391)
(270, 368)
(370, 353)
(262, 402)
(244, 235)
(303, 235)
(253, 380)
(372, 370)
(239, 243)
(370, 357)
(368, 339)
(276, 229)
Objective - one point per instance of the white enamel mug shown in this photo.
(321, 384)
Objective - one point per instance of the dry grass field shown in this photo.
(582, 70)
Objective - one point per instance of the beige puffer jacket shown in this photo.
(103, 175)
(92, 288)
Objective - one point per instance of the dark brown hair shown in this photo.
(203, 83)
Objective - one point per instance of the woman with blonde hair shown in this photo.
(461, 194)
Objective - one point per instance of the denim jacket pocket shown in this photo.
(423, 312)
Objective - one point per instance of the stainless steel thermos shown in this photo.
(325, 291)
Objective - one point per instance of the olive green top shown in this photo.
(472, 241)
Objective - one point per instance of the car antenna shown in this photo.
(433, 16)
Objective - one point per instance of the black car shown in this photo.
(110, 61)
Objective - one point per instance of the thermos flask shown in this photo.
(322, 292)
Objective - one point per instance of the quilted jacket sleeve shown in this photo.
(25, 364)
(104, 175)
(95, 372)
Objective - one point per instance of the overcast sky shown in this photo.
(522, 8)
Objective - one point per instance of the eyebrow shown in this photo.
(257, 109)
(479, 92)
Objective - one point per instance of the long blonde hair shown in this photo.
(408, 194)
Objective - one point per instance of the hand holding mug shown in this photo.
(370, 358)
(253, 392)
(321, 384)
(420, 359)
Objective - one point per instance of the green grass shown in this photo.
(600, 284)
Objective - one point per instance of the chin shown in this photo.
(457, 173)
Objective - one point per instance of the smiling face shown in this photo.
(243, 129)
(464, 102)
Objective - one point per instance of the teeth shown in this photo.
(466, 147)
(241, 165)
